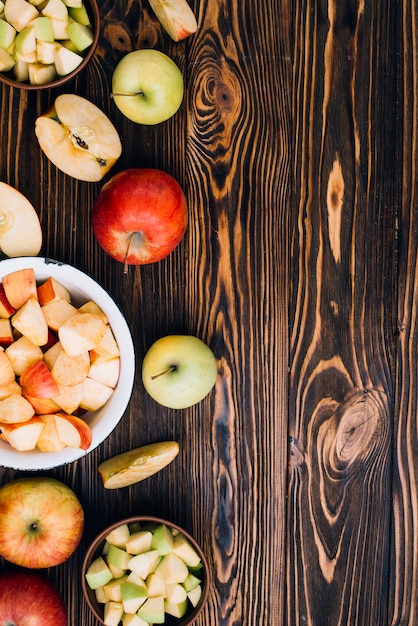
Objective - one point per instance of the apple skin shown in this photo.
(147, 86)
(42, 522)
(140, 216)
(178, 371)
(29, 599)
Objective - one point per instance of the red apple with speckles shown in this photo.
(29, 599)
(140, 216)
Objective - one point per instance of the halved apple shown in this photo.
(20, 229)
(78, 138)
(176, 17)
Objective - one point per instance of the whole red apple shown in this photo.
(42, 522)
(29, 599)
(140, 216)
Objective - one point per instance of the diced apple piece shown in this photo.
(175, 593)
(23, 436)
(30, 321)
(176, 609)
(52, 290)
(162, 539)
(6, 309)
(37, 381)
(81, 333)
(73, 431)
(59, 28)
(155, 585)
(172, 569)
(78, 137)
(66, 61)
(7, 375)
(100, 596)
(6, 333)
(25, 42)
(22, 353)
(142, 564)
(42, 406)
(140, 541)
(112, 589)
(72, 3)
(80, 14)
(133, 596)
(57, 312)
(7, 62)
(191, 582)
(7, 34)
(43, 29)
(152, 611)
(119, 536)
(41, 74)
(19, 13)
(45, 51)
(108, 346)
(184, 549)
(55, 9)
(15, 409)
(195, 594)
(70, 370)
(81, 36)
(69, 397)
(10, 390)
(98, 574)
(117, 572)
(133, 620)
(51, 355)
(104, 370)
(20, 285)
(118, 557)
(95, 394)
(176, 17)
(92, 307)
(21, 71)
(48, 440)
(113, 612)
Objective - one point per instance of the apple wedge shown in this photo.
(37, 381)
(81, 333)
(104, 370)
(6, 309)
(30, 321)
(73, 431)
(138, 464)
(57, 312)
(20, 228)
(7, 375)
(51, 290)
(22, 353)
(20, 285)
(69, 397)
(48, 440)
(95, 394)
(15, 409)
(9, 390)
(6, 332)
(23, 436)
(176, 17)
(78, 138)
(42, 406)
(70, 370)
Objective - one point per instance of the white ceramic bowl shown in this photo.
(103, 421)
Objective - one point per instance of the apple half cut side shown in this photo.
(20, 229)
(176, 17)
(78, 138)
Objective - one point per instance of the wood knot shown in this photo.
(335, 199)
(224, 97)
(296, 456)
(118, 37)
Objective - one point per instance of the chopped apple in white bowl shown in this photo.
(66, 363)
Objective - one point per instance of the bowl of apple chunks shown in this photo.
(66, 363)
(145, 570)
(46, 43)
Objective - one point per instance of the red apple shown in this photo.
(30, 599)
(42, 522)
(140, 216)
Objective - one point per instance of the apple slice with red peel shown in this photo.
(48, 440)
(6, 332)
(19, 286)
(73, 431)
(20, 228)
(15, 409)
(22, 353)
(7, 375)
(81, 333)
(78, 138)
(52, 290)
(23, 436)
(30, 321)
(6, 309)
(176, 17)
(42, 406)
(37, 381)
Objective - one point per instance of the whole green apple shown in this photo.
(147, 86)
(179, 371)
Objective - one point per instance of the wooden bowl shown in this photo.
(92, 7)
(96, 548)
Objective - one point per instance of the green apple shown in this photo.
(147, 86)
(43, 29)
(162, 539)
(118, 557)
(152, 611)
(179, 371)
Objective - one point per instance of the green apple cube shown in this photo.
(98, 573)
(162, 539)
(100, 595)
(172, 569)
(137, 580)
(25, 42)
(191, 582)
(118, 557)
(152, 611)
(119, 536)
(142, 564)
(19, 13)
(81, 36)
(133, 596)
(59, 28)
(194, 595)
(66, 61)
(117, 572)
(45, 52)
(21, 71)
(155, 585)
(80, 15)
(7, 62)
(55, 9)
(41, 74)
(176, 610)
(112, 589)
(43, 29)
(175, 593)
(133, 620)
(7, 34)
(139, 541)
(113, 612)
(183, 548)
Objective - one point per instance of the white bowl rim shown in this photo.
(72, 278)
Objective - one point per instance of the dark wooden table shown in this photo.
(297, 147)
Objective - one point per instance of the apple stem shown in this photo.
(172, 368)
(125, 264)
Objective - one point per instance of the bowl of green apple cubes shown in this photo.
(46, 44)
(145, 570)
